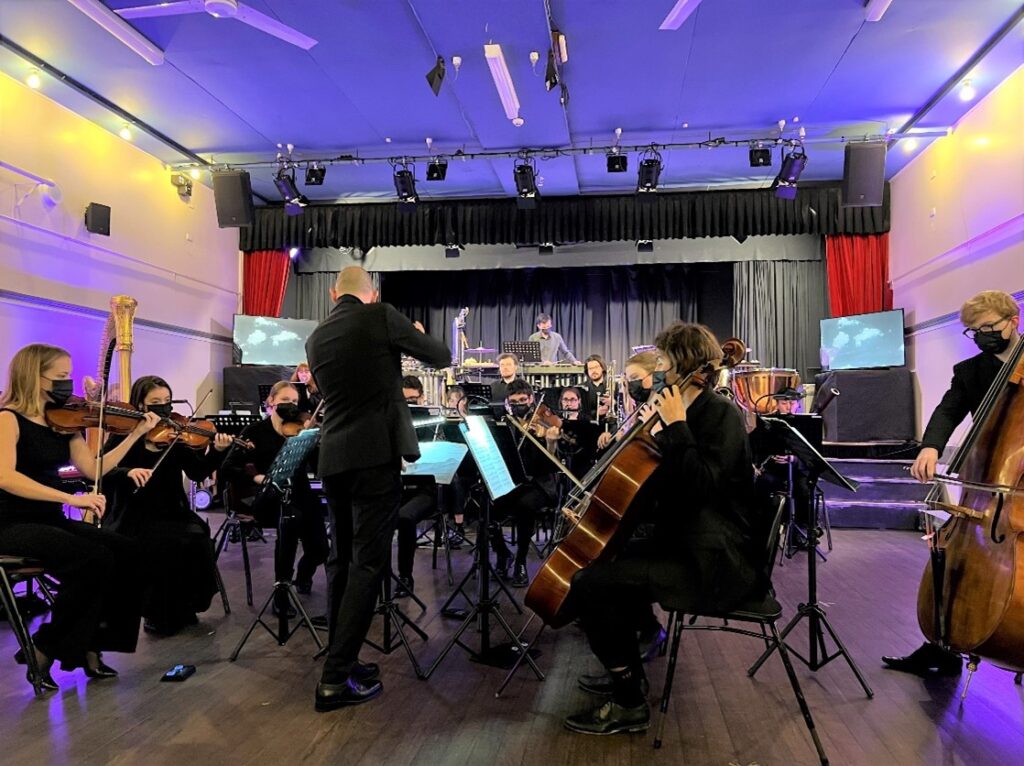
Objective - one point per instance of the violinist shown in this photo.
(702, 552)
(246, 469)
(148, 503)
(992, 320)
(577, 436)
(98, 605)
(309, 394)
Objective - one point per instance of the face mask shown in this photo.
(520, 410)
(658, 383)
(61, 390)
(637, 391)
(993, 342)
(288, 412)
(163, 410)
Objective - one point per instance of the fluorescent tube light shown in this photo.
(680, 12)
(502, 80)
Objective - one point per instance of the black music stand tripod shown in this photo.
(279, 479)
(817, 466)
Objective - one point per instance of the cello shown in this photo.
(605, 517)
(971, 597)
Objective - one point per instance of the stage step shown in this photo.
(887, 496)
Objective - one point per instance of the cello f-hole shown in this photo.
(1000, 498)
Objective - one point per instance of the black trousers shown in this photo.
(417, 505)
(306, 526)
(99, 603)
(364, 511)
(522, 505)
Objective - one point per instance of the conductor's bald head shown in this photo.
(354, 280)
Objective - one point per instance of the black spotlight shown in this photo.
(650, 172)
(436, 76)
(617, 163)
(546, 248)
(645, 246)
(451, 251)
(526, 186)
(551, 73)
(315, 175)
(294, 202)
(405, 187)
(785, 182)
(760, 158)
(437, 170)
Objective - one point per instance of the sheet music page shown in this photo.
(488, 458)
(438, 459)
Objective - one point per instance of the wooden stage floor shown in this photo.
(260, 709)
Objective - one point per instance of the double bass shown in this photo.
(971, 597)
(605, 517)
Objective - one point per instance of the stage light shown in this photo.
(405, 187)
(546, 248)
(785, 182)
(294, 202)
(909, 145)
(551, 73)
(451, 251)
(967, 91)
(559, 46)
(437, 170)
(125, 132)
(617, 163)
(526, 186)
(645, 246)
(195, 174)
(650, 171)
(183, 184)
(33, 80)
(436, 76)
(760, 157)
(315, 175)
(293, 253)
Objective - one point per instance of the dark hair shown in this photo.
(518, 386)
(596, 358)
(688, 346)
(142, 386)
(513, 357)
(574, 389)
(411, 381)
(543, 317)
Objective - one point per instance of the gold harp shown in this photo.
(117, 341)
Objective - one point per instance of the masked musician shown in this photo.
(702, 554)
(552, 345)
(639, 372)
(992, 320)
(149, 504)
(246, 469)
(99, 601)
(577, 438)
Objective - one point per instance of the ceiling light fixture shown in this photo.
(617, 163)
(559, 46)
(293, 252)
(183, 184)
(294, 202)
(645, 246)
(874, 10)
(546, 248)
(436, 76)
(405, 186)
(526, 186)
(315, 174)
(120, 29)
(195, 174)
(437, 170)
(760, 157)
(967, 91)
(793, 165)
(680, 12)
(551, 73)
(909, 145)
(649, 172)
(125, 132)
(451, 251)
(502, 80)
(33, 80)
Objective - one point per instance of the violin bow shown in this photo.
(533, 439)
(177, 436)
(97, 482)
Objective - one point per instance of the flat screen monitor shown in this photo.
(863, 340)
(271, 340)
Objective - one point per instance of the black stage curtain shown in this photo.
(565, 220)
(604, 311)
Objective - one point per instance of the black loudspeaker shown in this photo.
(872, 405)
(863, 174)
(232, 194)
(97, 219)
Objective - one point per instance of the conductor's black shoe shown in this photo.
(521, 578)
(366, 672)
(927, 660)
(610, 718)
(304, 588)
(320, 621)
(350, 692)
(601, 684)
(404, 587)
(651, 645)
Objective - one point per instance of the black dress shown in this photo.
(179, 557)
(99, 601)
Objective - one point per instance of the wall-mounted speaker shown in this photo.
(232, 194)
(863, 174)
(97, 219)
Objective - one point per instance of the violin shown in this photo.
(197, 434)
(547, 417)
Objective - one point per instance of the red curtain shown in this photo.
(264, 278)
(858, 273)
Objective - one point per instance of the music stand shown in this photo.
(481, 391)
(232, 424)
(498, 480)
(278, 479)
(817, 467)
(528, 351)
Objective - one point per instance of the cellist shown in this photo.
(702, 551)
(992, 320)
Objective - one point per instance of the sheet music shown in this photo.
(487, 456)
(438, 459)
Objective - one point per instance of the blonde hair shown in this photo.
(23, 389)
(278, 388)
(647, 360)
(688, 346)
(1001, 303)
(311, 386)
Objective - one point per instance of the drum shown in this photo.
(753, 389)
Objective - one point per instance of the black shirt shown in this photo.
(592, 393)
(972, 379)
(242, 464)
(40, 452)
(499, 389)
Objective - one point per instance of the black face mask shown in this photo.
(637, 392)
(163, 410)
(520, 410)
(61, 390)
(991, 342)
(288, 412)
(658, 383)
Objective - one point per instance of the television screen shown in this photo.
(863, 340)
(271, 340)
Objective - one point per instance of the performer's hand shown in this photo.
(150, 420)
(604, 439)
(258, 478)
(923, 468)
(140, 476)
(671, 404)
(419, 326)
(552, 434)
(94, 503)
(221, 442)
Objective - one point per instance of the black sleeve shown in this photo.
(233, 467)
(198, 466)
(703, 465)
(404, 336)
(954, 407)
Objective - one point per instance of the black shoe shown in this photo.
(455, 541)
(610, 718)
(351, 692)
(102, 670)
(320, 621)
(404, 587)
(304, 588)
(366, 672)
(520, 579)
(276, 610)
(601, 684)
(46, 682)
(502, 566)
(926, 661)
(651, 645)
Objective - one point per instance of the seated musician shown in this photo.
(523, 503)
(456, 400)
(596, 403)
(412, 389)
(639, 372)
(552, 345)
(577, 438)
(702, 557)
(309, 394)
(508, 369)
(246, 469)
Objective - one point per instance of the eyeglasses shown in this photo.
(970, 332)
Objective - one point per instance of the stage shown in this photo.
(260, 709)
